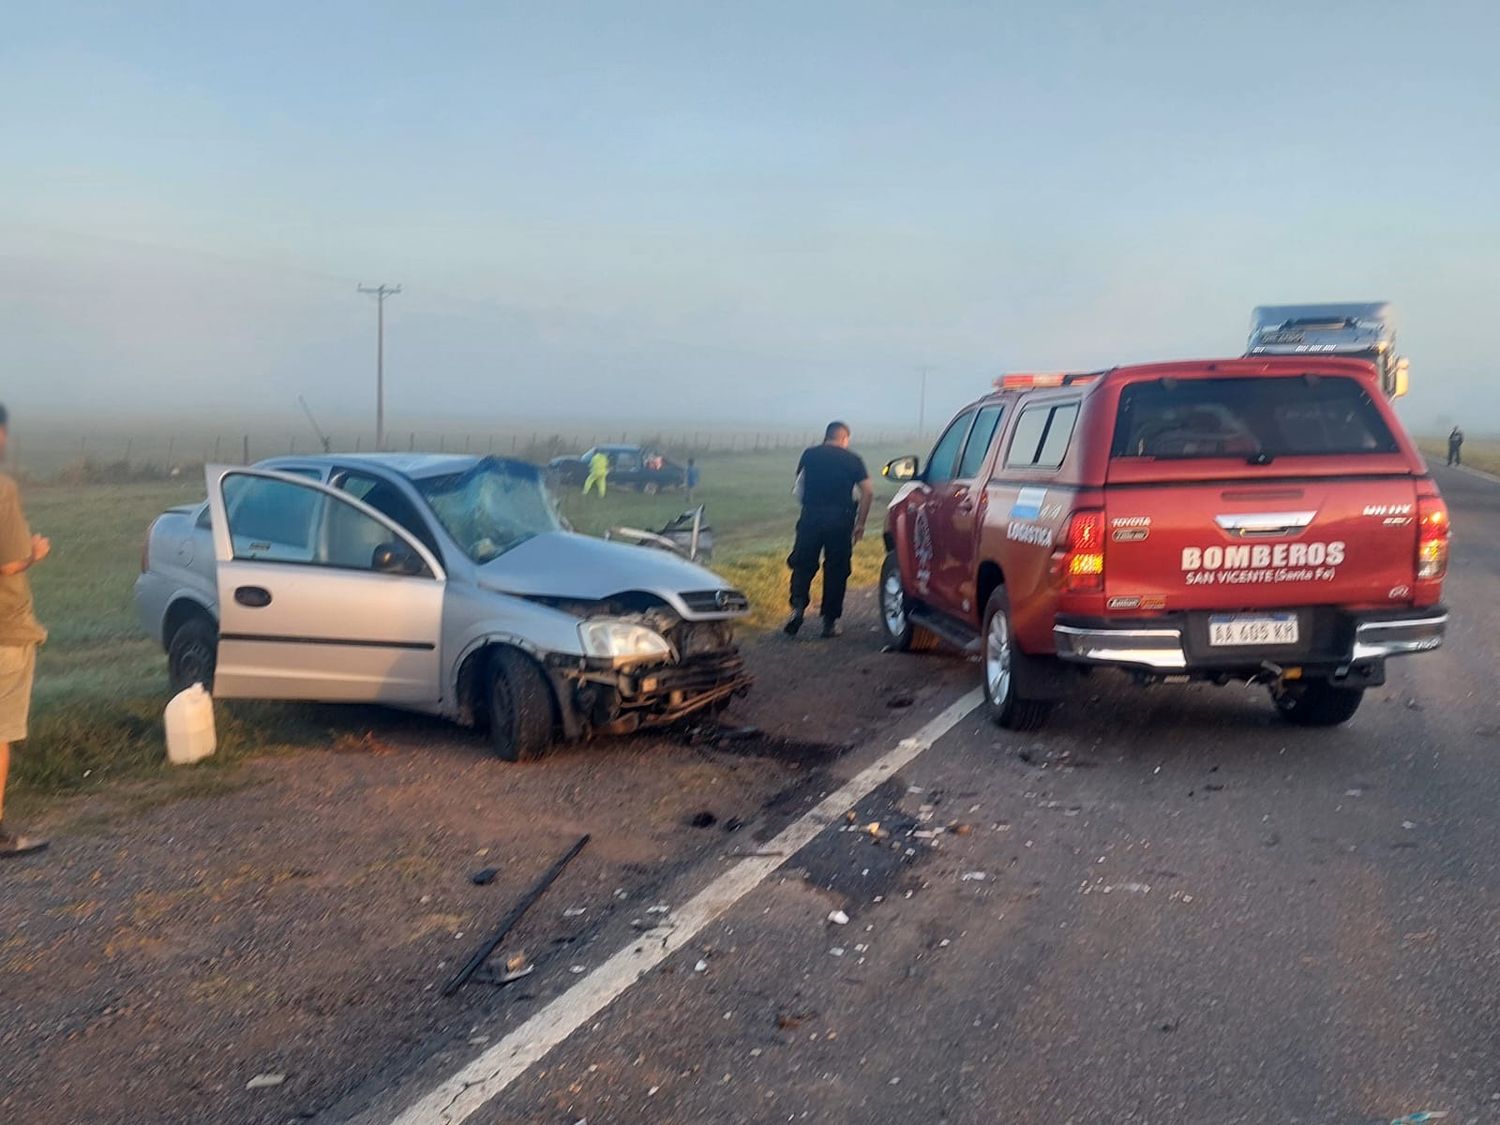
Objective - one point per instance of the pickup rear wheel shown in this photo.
(192, 654)
(1006, 704)
(900, 633)
(520, 707)
(1317, 703)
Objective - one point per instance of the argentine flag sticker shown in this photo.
(1028, 504)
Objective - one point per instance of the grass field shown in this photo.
(101, 684)
(1479, 453)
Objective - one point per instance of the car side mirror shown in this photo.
(902, 468)
(395, 558)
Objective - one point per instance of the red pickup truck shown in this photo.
(1262, 519)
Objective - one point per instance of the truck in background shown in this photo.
(1356, 329)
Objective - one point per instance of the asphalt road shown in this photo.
(1170, 907)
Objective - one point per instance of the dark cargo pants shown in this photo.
(828, 532)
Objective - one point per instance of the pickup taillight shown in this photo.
(1432, 539)
(1083, 561)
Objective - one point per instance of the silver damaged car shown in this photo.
(442, 584)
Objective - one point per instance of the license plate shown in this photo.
(1229, 629)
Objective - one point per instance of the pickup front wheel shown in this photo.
(192, 654)
(520, 707)
(1317, 703)
(1006, 704)
(900, 633)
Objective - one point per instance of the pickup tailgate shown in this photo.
(1348, 541)
(1231, 492)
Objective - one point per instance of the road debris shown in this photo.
(838, 918)
(1421, 1117)
(974, 876)
(837, 951)
(960, 829)
(575, 911)
(704, 819)
(701, 967)
(482, 954)
(484, 877)
(874, 829)
(265, 1081)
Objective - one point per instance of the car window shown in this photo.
(944, 461)
(1249, 417)
(1043, 433)
(279, 521)
(491, 508)
(985, 423)
(626, 462)
(205, 514)
(391, 502)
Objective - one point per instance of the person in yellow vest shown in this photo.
(598, 474)
(19, 636)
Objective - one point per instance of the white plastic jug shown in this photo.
(190, 726)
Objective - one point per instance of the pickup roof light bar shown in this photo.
(1025, 380)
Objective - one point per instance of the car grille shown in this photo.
(716, 601)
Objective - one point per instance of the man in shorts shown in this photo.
(19, 635)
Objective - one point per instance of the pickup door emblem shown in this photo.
(1265, 523)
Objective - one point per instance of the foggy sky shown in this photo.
(685, 213)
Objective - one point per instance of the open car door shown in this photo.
(320, 596)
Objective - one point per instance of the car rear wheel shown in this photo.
(1003, 697)
(520, 707)
(1317, 703)
(193, 654)
(900, 633)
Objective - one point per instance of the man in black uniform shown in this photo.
(831, 523)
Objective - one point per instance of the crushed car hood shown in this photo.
(563, 564)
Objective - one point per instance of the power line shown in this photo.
(380, 293)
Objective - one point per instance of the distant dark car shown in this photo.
(630, 466)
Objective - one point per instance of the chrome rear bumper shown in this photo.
(1377, 639)
(1162, 649)
(1150, 648)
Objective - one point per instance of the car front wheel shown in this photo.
(193, 654)
(520, 707)
(1003, 697)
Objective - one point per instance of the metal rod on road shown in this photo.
(539, 888)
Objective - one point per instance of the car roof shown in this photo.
(415, 466)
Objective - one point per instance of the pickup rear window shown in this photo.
(1257, 417)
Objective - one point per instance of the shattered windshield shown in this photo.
(493, 507)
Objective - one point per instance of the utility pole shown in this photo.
(922, 407)
(380, 293)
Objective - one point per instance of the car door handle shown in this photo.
(256, 597)
(965, 502)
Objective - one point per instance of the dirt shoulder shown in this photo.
(302, 924)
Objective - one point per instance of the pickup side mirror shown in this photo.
(396, 558)
(902, 468)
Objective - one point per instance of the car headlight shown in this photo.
(623, 642)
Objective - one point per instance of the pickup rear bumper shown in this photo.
(1174, 643)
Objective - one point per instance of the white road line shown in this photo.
(458, 1096)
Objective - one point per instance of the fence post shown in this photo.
(171, 449)
(358, 441)
(411, 442)
(245, 449)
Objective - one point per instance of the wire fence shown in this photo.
(95, 456)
